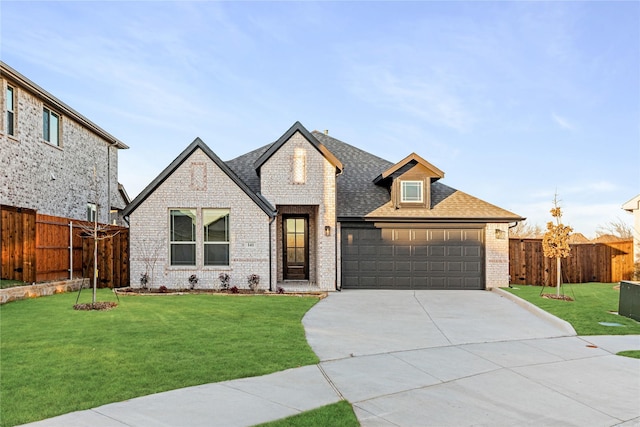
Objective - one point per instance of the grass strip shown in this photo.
(594, 303)
(338, 414)
(55, 360)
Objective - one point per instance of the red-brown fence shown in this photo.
(587, 262)
(42, 248)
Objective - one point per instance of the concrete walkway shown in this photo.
(423, 358)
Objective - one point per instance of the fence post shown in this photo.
(70, 250)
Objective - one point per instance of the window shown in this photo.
(299, 165)
(10, 111)
(183, 236)
(50, 126)
(216, 236)
(92, 211)
(411, 192)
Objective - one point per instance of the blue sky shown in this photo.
(512, 100)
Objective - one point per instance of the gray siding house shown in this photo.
(310, 212)
(49, 153)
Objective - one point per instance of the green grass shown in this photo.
(592, 304)
(55, 360)
(5, 283)
(630, 353)
(336, 415)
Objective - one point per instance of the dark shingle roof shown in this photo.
(357, 194)
(359, 197)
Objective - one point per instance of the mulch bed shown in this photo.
(559, 297)
(99, 306)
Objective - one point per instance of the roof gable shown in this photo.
(633, 204)
(297, 127)
(198, 144)
(406, 164)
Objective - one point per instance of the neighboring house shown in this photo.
(50, 155)
(633, 206)
(310, 212)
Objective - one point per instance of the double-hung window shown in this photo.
(216, 236)
(183, 236)
(411, 191)
(92, 211)
(10, 111)
(50, 126)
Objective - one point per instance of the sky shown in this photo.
(514, 101)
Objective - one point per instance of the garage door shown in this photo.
(412, 258)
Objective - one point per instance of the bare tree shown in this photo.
(150, 250)
(617, 227)
(96, 232)
(523, 230)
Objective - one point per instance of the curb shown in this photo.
(556, 321)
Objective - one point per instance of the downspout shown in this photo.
(273, 218)
(335, 233)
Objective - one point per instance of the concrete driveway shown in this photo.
(425, 358)
(462, 358)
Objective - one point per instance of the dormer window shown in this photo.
(411, 192)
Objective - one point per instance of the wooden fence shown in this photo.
(42, 248)
(588, 262)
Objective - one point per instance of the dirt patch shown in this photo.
(230, 292)
(559, 297)
(98, 306)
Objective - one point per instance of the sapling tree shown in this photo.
(555, 242)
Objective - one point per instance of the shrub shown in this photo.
(193, 281)
(144, 280)
(234, 290)
(224, 280)
(163, 289)
(280, 290)
(254, 281)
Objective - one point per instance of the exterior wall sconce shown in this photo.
(327, 230)
(500, 234)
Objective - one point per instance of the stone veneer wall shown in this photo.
(497, 255)
(198, 183)
(42, 289)
(319, 189)
(28, 163)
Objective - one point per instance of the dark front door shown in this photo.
(296, 247)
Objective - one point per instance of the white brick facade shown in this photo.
(497, 255)
(317, 191)
(198, 183)
(54, 180)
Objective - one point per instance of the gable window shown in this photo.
(183, 236)
(10, 111)
(92, 211)
(411, 192)
(299, 165)
(50, 126)
(216, 236)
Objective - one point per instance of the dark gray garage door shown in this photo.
(412, 258)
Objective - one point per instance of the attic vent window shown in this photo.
(299, 166)
(411, 192)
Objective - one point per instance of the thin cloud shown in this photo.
(562, 122)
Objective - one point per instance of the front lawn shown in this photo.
(593, 304)
(55, 360)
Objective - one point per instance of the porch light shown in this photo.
(500, 234)
(327, 230)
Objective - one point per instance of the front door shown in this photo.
(296, 247)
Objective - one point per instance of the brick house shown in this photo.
(633, 206)
(310, 212)
(49, 152)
